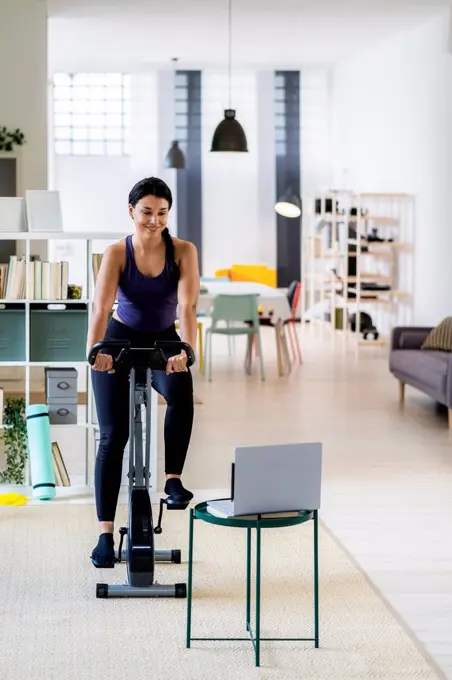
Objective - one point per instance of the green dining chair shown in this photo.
(239, 312)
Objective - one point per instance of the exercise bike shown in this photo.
(139, 553)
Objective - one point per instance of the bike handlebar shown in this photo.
(151, 357)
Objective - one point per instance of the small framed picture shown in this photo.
(43, 211)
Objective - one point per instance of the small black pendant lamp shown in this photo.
(289, 205)
(229, 135)
(175, 158)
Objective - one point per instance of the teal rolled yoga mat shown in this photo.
(40, 452)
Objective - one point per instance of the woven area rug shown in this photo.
(53, 627)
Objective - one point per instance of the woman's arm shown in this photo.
(188, 292)
(105, 293)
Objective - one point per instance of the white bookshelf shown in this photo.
(322, 251)
(387, 262)
(87, 415)
(326, 245)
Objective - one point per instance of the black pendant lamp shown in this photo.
(175, 158)
(229, 134)
(289, 205)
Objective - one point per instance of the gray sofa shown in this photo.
(429, 371)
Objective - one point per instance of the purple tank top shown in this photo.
(147, 303)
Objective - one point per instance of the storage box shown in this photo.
(62, 395)
(63, 413)
(61, 383)
(12, 333)
(58, 334)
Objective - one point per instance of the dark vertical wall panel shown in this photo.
(189, 181)
(8, 188)
(288, 173)
(8, 177)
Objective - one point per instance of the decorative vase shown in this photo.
(74, 292)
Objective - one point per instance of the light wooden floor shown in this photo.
(387, 471)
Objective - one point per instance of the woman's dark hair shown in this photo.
(153, 186)
(150, 186)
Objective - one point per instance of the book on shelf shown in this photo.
(13, 278)
(96, 262)
(46, 280)
(3, 277)
(61, 475)
(56, 470)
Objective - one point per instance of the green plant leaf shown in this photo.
(15, 441)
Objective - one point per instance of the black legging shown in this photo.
(111, 391)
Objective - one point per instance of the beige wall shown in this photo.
(23, 83)
(23, 104)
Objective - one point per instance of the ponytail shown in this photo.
(170, 254)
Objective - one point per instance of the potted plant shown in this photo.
(10, 138)
(15, 441)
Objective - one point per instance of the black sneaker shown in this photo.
(103, 555)
(176, 491)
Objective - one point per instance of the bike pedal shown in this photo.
(176, 505)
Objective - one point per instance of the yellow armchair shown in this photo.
(222, 273)
(257, 273)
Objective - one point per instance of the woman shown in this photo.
(151, 274)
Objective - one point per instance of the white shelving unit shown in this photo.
(381, 263)
(328, 244)
(89, 422)
(323, 252)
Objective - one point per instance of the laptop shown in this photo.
(273, 479)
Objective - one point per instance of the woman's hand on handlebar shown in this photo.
(177, 363)
(103, 362)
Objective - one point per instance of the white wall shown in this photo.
(315, 129)
(94, 189)
(238, 190)
(239, 221)
(23, 83)
(265, 248)
(237, 186)
(94, 192)
(392, 113)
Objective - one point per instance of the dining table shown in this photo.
(273, 302)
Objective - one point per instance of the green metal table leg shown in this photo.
(255, 637)
(316, 580)
(190, 578)
(258, 594)
(248, 578)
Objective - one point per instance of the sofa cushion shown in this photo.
(440, 337)
(426, 367)
(412, 339)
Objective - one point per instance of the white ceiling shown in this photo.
(139, 34)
